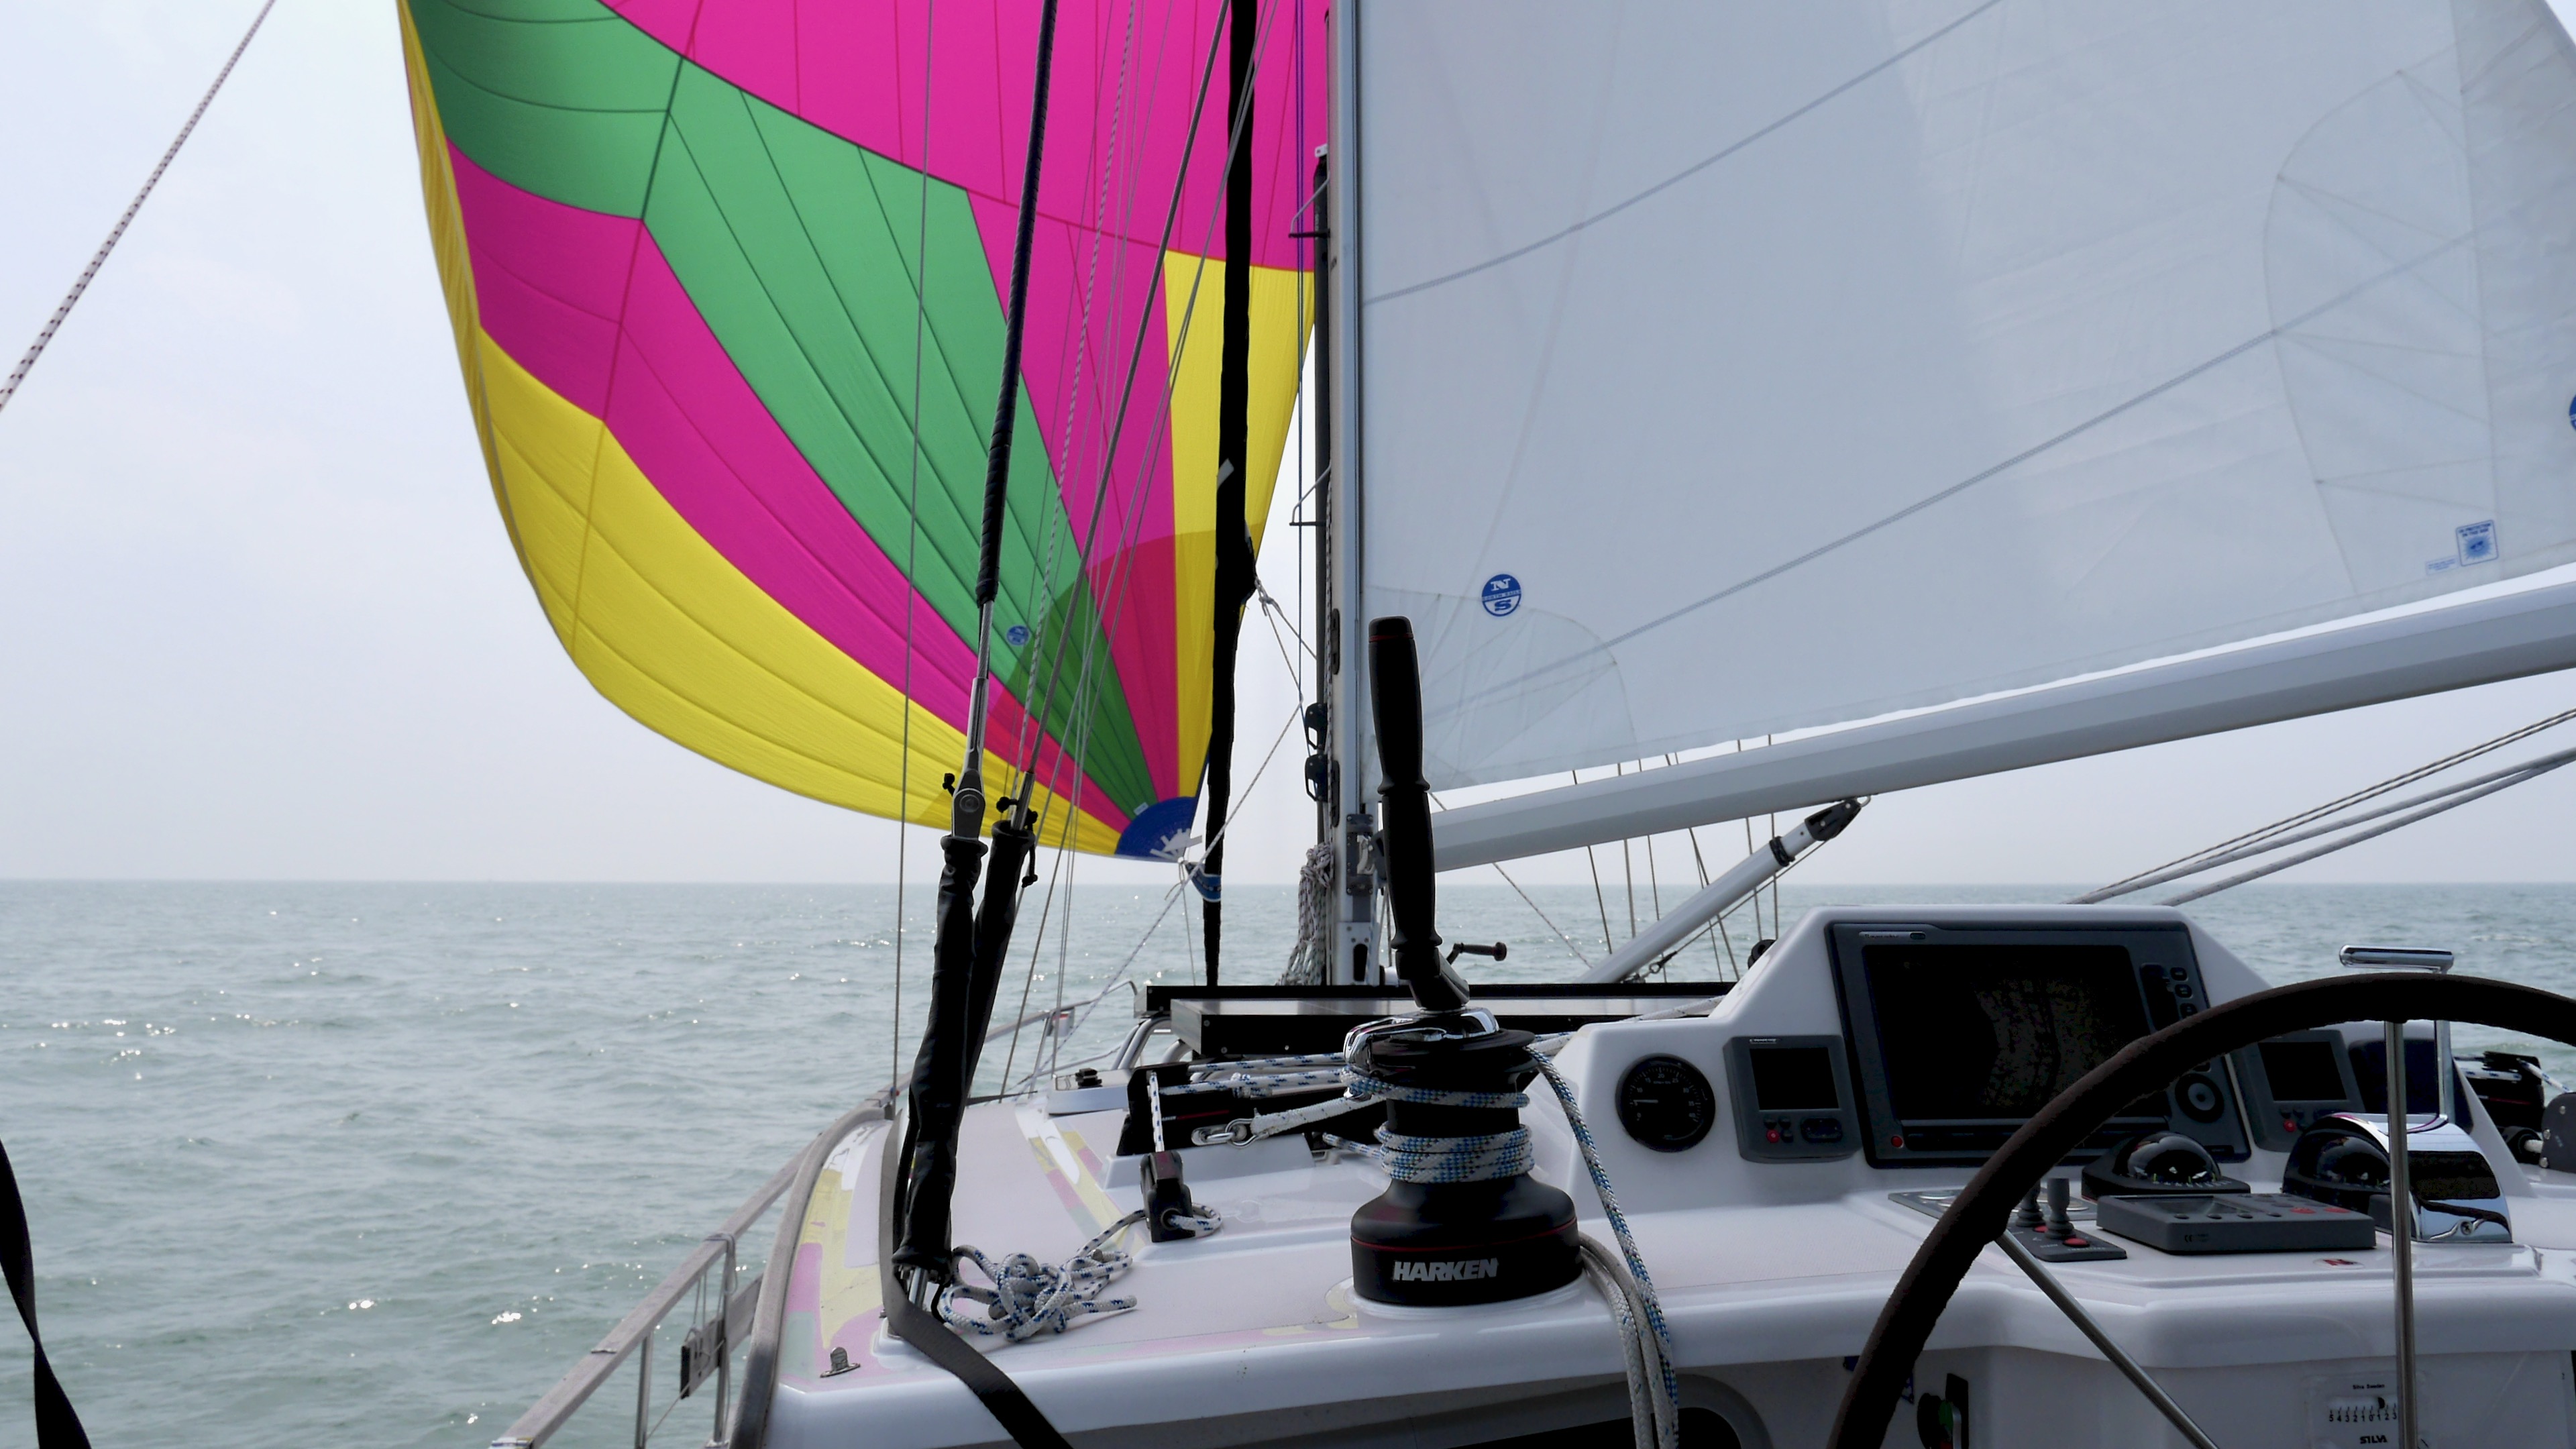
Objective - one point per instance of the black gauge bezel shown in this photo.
(1694, 1081)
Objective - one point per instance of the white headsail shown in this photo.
(1736, 369)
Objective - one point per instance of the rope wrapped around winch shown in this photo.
(1646, 1341)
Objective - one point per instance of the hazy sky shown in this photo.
(262, 620)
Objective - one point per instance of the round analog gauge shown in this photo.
(1666, 1103)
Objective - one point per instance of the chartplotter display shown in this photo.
(1959, 1037)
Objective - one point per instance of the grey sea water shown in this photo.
(375, 1164)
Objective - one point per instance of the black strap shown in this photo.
(993, 1388)
(57, 1427)
(915, 1325)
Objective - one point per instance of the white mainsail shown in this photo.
(1727, 370)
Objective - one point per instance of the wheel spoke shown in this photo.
(2119, 1357)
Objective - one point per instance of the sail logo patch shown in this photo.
(2477, 542)
(1502, 596)
(1017, 636)
(1461, 1271)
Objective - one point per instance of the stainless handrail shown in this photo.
(574, 1389)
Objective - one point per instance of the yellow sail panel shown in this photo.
(1283, 308)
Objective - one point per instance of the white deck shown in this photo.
(1771, 1274)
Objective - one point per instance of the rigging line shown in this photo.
(45, 334)
(1171, 218)
(1121, 569)
(1748, 850)
(1983, 475)
(1063, 961)
(1627, 869)
(1572, 948)
(1273, 753)
(2265, 847)
(1170, 897)
(1286, 660)
(1037, 948)
(1124, 568)
(1690, 171)
(1069, 393)
(1718, 924)
(1597, 898)
(2533, 771)
(1279, 611)
(1525, 898)
(912, 538)
(2142, 879)
(1699, 862)
(2167, 871)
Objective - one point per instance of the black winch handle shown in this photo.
(1404, 817)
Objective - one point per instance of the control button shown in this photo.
(2190, 1010)
(2182, 989)
(2073, 1241)
(1821, 1129)
(2200, 1099)
(1771, 1134)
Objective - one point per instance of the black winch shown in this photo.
(1462, 1221)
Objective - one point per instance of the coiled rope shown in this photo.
(1028, 1297)
(1307, 958)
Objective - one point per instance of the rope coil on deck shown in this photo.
(1028, 1297)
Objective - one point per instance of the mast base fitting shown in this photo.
(1439, 1244)
(1446, 1244)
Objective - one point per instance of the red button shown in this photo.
(1773, 1134)
(2076, 1242)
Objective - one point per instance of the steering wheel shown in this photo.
(1979, 1214)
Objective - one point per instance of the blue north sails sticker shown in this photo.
(1502, 595)
(2477, 542)
(1017, 636)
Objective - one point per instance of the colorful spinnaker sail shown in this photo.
(708, 264)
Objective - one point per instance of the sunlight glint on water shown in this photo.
(374, 1164)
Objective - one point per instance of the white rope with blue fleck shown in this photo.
(1407, 1157)
(1648, 1303)
(1404, 1157)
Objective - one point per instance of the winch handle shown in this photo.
(1404, 817)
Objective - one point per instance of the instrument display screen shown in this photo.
(1961, 1032)
(2302, 1071)
(1794, 1079)
(1996, 1031)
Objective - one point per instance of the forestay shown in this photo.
(1730, 370)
